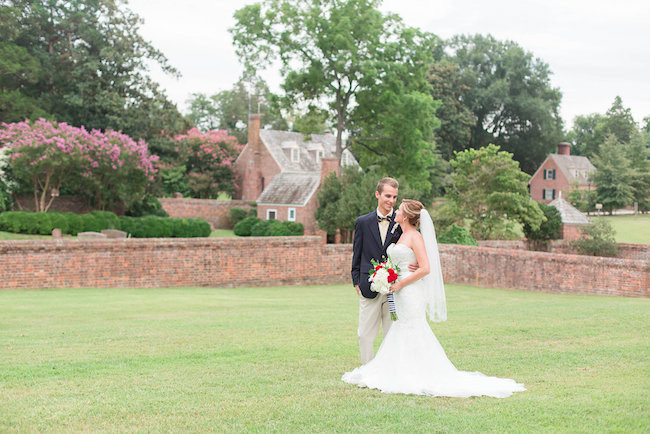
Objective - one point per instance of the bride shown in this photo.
(410, 359)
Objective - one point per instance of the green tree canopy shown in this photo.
(228, 110)
(490, 190)
(614, 175)
(82, 62)
(510, 96)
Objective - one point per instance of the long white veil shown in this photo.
(433, 283)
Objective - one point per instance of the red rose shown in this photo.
(392, 278)
(378, 267)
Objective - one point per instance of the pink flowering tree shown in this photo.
(208, 159)
(110, 169)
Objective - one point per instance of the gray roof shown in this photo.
(298, 180)
(570, 215)
(290, 188)
(574, 167)
(280, 143)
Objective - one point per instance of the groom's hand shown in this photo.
(357, 288)
(413, 267)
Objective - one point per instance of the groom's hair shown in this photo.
(387, 181)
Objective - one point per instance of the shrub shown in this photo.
(252, 212)
(243, 228)
(549, 229)
(261, 228)
(295, 228)
(598, 240)
(457, 235)
(237, 215)
(149, 205)
(278, 229)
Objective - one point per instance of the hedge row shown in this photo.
(25, 222)
(256, 227)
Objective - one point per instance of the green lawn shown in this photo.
(629, 228)
(12, 236)
(270, 359)
(222, 233)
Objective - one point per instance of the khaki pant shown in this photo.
(372, 313)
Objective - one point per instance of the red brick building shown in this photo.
(282, 172)
(558, 173)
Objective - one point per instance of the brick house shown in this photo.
(282, 171)
(558, 173)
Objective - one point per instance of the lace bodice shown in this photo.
(402, 256)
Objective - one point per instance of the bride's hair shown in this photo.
(411, 209)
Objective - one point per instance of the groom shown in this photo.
(373, 233)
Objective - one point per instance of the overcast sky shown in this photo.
(595, 49)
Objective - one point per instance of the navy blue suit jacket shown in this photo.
(366, 246)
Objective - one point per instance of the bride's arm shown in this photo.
(421, 256)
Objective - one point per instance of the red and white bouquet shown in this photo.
(381, 278)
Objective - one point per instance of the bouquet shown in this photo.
(381, 278)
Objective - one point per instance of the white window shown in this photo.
(319, 156)
(271, 214)
(549, 194)
(292, 215)
(295, 155)
(549, 174)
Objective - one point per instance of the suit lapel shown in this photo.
(374, 228)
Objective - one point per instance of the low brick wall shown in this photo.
(215, 212)
(236, 262)
(625, 250)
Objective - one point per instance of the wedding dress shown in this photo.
(410, 359)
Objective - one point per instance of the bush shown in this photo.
(457, 235)
(237, 215)
(252, 212)
(149, 205)
(550, 229)
(70, 223)
(278, 229)
(598, 240)
(243, 228)
(295, 228)
(261, 228)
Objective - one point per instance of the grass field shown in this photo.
(270, 359)
(629, 228)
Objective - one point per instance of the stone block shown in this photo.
(114, 233)
(91, 236)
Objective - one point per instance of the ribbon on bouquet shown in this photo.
(391, 306)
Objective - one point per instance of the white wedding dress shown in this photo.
(411, 360)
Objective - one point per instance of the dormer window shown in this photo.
(295, 155)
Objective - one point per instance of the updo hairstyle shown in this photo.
(411, 209)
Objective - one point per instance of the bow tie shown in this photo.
(386, 219)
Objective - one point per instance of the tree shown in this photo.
(83, 62)
(456, 120)
(6, 185)
(490, 190)
(207, 160)
(638, 154)
(229, 109)
(329, 51)
(591, 131)
(549, 229)
(613, 177)
(110, 169)
(510, 96)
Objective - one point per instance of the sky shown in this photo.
(595, 49)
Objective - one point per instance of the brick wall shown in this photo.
(625, 250)
(215, 212)
(236, 262)
(74, 204)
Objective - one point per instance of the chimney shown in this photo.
(328, 165)
(254, 131)
(564, 148)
